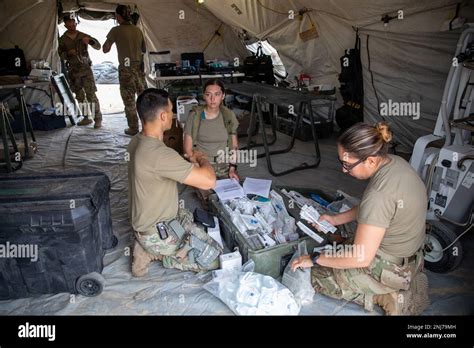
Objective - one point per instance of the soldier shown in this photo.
(130, 47)
(73, 49)
(164, 230)
(385, 264)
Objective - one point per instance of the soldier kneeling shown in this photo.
(164, 232)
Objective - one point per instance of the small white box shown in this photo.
(231, 261)
(184, 104)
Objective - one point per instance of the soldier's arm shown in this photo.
(94, 43)
(366, 243)
(202, 177)
(143, 46)
(107, 46)
(109, 42)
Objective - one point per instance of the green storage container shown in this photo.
(269, 261)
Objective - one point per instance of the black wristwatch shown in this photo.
(315, 256)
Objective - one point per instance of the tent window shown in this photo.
(268, 49)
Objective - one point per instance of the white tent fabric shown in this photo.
(409, 57)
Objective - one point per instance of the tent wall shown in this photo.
(408, 55)
(31, 25)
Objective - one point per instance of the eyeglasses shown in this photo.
(348, 167)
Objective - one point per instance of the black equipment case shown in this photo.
(67, 218)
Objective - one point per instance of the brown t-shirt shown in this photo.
(129, 41)
(396, 199)
(212, 135)
(153, 172)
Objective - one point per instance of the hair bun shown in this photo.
(384, 130)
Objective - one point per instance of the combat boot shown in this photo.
(410, 302)
(141, 260)
(84, 122)
(97, 123)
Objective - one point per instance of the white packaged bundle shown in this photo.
(248, 293)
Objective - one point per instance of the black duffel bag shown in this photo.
(13, 62)
(259, 68)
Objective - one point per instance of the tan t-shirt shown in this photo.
(396, 199)
(153, 172)
(212, 135)
(129, 41)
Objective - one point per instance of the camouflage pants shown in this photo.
(361, 284)
(83, 86)
(132, 82)
(221, 169)
(168, 248)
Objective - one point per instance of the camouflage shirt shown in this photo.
(81, 57)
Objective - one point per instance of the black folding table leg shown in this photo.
(26, 121)
(253, 125)
(6, 149)
(16, 151)
(299, 121)
(293, 136)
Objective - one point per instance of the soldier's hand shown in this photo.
(85, 40)
(302, 262)
(191, 158)
(199, 157)
(71, 52)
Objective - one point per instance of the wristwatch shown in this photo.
(315, 256)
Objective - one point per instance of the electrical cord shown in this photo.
(450, 245)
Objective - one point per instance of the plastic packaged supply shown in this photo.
(299, 282)
(253, 294)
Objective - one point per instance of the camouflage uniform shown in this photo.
(169, 248)
(360, 285)
(81, 78)
(130, 48)
(221, 169)
(132, 81)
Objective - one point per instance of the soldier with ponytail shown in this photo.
(384, 263)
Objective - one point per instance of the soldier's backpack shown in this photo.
(259, 68)
(13, 62)
(352, 89)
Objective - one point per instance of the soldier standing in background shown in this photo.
(130, 46)
(73, 49)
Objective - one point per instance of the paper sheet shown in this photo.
(227, 189)
(260, 187)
